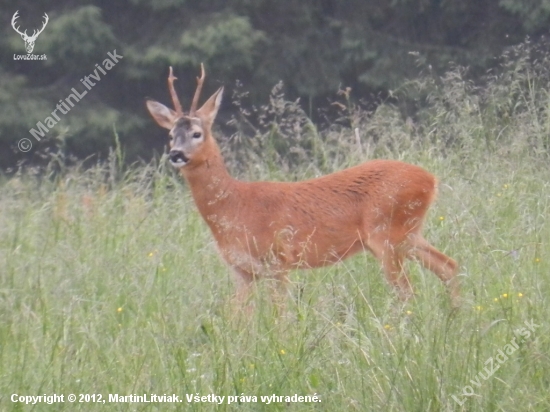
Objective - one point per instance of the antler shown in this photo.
(34, 33)
(15, 17)
(175, 99)
(200, 81)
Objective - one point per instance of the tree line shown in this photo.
(315, 47)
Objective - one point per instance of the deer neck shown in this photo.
(211, 185)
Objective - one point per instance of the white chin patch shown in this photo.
(178, 163)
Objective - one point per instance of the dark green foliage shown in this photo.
(534, 14)
(76, 39)
(314, 47)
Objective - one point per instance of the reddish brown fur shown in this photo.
(269, 228)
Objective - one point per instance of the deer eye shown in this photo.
(197, 135)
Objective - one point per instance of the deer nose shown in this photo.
(177, 156)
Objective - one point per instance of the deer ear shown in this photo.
(164, 116)
(209, 109)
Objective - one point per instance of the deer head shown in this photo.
(190, 134)
(29, 40)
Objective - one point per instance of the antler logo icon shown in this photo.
(29, 40)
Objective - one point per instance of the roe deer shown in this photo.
(268, 228)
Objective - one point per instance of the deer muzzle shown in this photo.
(178, 158)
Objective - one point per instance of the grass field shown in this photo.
(110, 282)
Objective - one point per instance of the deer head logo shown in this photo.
(29, 40)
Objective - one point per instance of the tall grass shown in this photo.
(110, 282)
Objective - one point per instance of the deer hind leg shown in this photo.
(392, 257)
(442, 265)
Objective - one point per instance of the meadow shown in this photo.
(110, 282)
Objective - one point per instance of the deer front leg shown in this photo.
(244, 286)
(279, 292)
